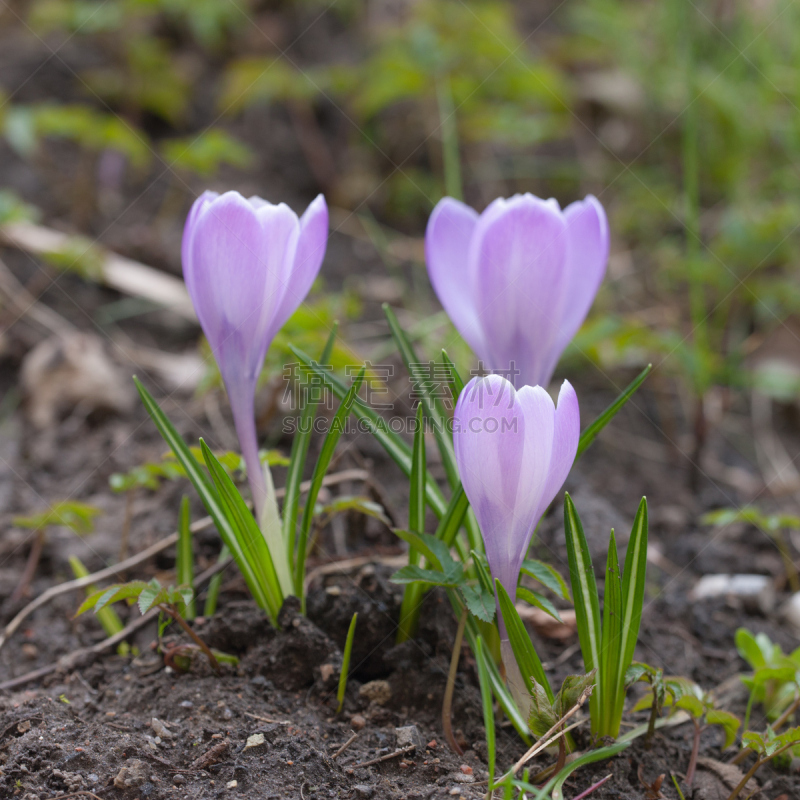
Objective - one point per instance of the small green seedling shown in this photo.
(149, 595)
(348, 650)
(547, 712)
(107, 617)
(683, 694)
(775, 682)
(78, 517)
(655, 677)
(767, 746)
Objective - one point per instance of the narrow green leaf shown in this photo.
(454, 379)
(349, 403)
(524, 652)
(590, 434)
(587, 603)
(555, 786)
(249, 544)
(111, 594)
(633, 586)
(184, 562)
(435, 550)
(107, 617)
(538, 600)
(433, 406)
(394, 446)
(413, 573)
(207, 492)
(547, 575)
(416, 502)
(348, 650)
(298, 457)
(214, 585)
(611, 642)
(488, 710)
(483, 572)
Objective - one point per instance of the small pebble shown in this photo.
(466, 769)
(357, 722)
(232, 784)
(178, 780)
(379, 692)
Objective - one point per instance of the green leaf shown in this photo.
(547, 575)
(483, 571)
(729, 722)
(571, 690)
(480, 603)
(77, 516)
(149, 597)
(394, 446)
(184, 562)
(540, 601)
(454, 379)
(611, 643)
(749, 649)
(248, 538)
(555, 785)
(349, 402)
(542, 717)
(691, 704)
(453, 517)
(413, 573)
(587, 603)
(208, 494)
(433, 405)
(590, 434)
(530, 666)
(111, 594)
(633, 585)
(346, 654)
(636, 672)
(416, 502)
(437, 553)
(299, 455)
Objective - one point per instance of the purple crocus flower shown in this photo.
(248, 264)
(517, 280)
(514, 450)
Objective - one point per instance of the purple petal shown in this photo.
(587, 256)
(518, 252)
(237, 257)
(503, 441)
(307, 261)
(566, 435)
(447, 241)
(188, 234)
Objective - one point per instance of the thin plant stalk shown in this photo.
(594, 786)
(348, 651)
(184, 566)
(451, 158)
(212, 659)
(752, 771)
(698, 730)
(447, 704)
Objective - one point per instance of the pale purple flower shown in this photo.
(514, 450)
(248, 264)
(517, 280)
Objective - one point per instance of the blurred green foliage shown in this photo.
(681, 116)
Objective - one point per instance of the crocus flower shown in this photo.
(248, 264)
(517, 280)
(514, 450)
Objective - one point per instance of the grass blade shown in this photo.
(348, 650)
(184, 562)
(488, 711)
(453, 378)
(349, 402)
(297, 459)
(611, 642)
(590, 434)
(521, 644)
(633, 584)
(205, 489)
(214, 585)
(256, 561)
(412, 596)
(433, 406)
(394, 446)
(584, 593)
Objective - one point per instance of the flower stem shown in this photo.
(243, 407)
(447, 704)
